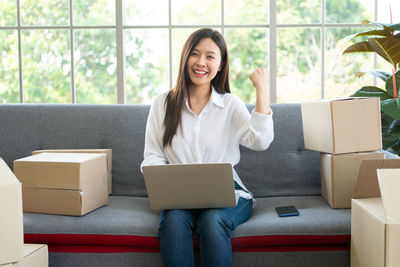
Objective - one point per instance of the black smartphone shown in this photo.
(287, 211)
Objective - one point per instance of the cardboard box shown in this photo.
(11, 224)
(375, 221)
(63, 183)
(35, 255)
(107, 151)
(342, 125)
(339, 176)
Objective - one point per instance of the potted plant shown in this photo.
(384, 41)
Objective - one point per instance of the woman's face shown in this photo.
(204, 63)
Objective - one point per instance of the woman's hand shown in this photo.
(259, 78)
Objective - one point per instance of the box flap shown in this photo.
(11, 218)
(36, 255)
(54, 170)
(389, 184)
(60, 157)
(6, 175)
(367, 180)
(392, 245)
(31, 248)
(107, 151)
(367, 233)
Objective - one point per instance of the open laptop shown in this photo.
(190, 186)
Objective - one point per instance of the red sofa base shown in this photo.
(75, 243)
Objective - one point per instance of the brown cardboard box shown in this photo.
(11, 224)
(375, 220)
(107, 151)
(63, 183)
(342, 125)
(35, 255)
(339, 176)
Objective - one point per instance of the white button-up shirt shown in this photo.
(213, 136)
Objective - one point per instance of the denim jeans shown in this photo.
(214, 228)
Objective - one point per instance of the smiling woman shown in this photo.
(181, 125)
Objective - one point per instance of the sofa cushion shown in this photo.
(128, 224)
(284, 169)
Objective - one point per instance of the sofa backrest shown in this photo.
(284, 169)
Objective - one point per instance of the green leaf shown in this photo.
(388, 48)
(391, 107)
(359, 47)
(390, 134)
(372, 91)
(389, 84)
(395, 27)
(383, 75)
(390, 130)
(369, 33)
(396, 147)
(394, 128)
(384, 26)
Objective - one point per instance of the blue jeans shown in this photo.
(214, 228)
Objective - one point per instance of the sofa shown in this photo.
(124, 232)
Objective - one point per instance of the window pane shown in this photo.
(246, 11)
(247, 51)
(46, 66)
(94, 12)
(340, 70)
(298, 11)
(384, 13)
(146, 64)
(299, 65)
(191, 12)
(8, 11)
(146, 12)
(9, 88)
(350, 11)
(44, 12)
(95, 66)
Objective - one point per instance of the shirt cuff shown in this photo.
(260, 120)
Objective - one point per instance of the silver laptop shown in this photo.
(190, 186)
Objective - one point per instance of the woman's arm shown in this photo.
(153, 149)
(259, 78)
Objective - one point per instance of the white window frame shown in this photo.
(120, 49)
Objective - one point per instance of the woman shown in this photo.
(199, 121)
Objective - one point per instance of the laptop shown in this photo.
(190, 186)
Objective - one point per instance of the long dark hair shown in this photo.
(177, 95)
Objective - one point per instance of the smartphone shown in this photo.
(287, 211)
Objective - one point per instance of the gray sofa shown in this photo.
(124, 233)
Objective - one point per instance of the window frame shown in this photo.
(120, 28)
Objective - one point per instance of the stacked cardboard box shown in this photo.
(13, 251)
(345, 131)
(108, 152)
(375, 215)
(63, 183)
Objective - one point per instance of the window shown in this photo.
(105, 52)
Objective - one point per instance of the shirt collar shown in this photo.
(215, 98)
